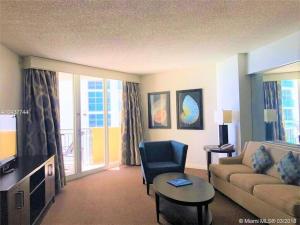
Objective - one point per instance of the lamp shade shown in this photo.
(224, 116)
(227, 116)
(270, 115)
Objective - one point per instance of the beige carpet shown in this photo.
(116, 197)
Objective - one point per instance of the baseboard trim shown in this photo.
(196, 166)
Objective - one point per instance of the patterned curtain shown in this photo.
(132, 133)
(272, 100)
(42, 128)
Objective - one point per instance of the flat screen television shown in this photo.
(8, 140)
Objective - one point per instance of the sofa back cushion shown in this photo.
(160, 151)
(277, 152)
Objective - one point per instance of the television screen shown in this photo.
(8, 137)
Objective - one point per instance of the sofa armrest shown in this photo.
(231, 160)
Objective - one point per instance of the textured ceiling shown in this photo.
(144, 36)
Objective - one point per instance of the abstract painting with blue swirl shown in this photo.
(189, 109)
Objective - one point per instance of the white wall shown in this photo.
(234, 93)
(202, 77)
(10, 80)
(275, 54)
(245, 99)
(228, 96)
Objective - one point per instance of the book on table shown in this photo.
(178, 182)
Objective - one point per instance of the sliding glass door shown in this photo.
(92, 123)
(114, 110)
(92, 107)
(66, 93)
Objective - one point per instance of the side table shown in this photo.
(215, 149)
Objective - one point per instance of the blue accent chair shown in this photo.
(161, 157)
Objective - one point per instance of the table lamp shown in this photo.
(222, 117)
(270, 116)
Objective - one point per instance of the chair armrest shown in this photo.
(143, 155)
(231, 160)
(179, 152)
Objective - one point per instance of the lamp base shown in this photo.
(223, 134)
(269, 132)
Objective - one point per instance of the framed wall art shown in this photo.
(189, 109)
(159, 115)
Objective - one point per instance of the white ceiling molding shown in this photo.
(293, 67)
(67, 67)
(281, 76)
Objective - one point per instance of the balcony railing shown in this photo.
(67, 141)
(92, 147)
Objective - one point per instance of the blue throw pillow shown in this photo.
(261, 160)
(289, 169)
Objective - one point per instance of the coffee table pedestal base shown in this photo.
(175, 213)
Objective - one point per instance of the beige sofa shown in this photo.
(264, 195)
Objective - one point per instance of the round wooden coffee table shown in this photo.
(198, 194)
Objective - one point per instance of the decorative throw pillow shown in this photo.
(289, 169)
(261, 160)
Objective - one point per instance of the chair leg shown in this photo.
(148, 188)
(143, 180)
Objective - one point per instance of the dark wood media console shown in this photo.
(26, 192)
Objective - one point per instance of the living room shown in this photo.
(94, 84)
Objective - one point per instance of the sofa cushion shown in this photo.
(282, 196)
(164, 166)
(277, 151)
(250, 149)
(248, 181)
(289, 169)
(261, 160)
(224, 171)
